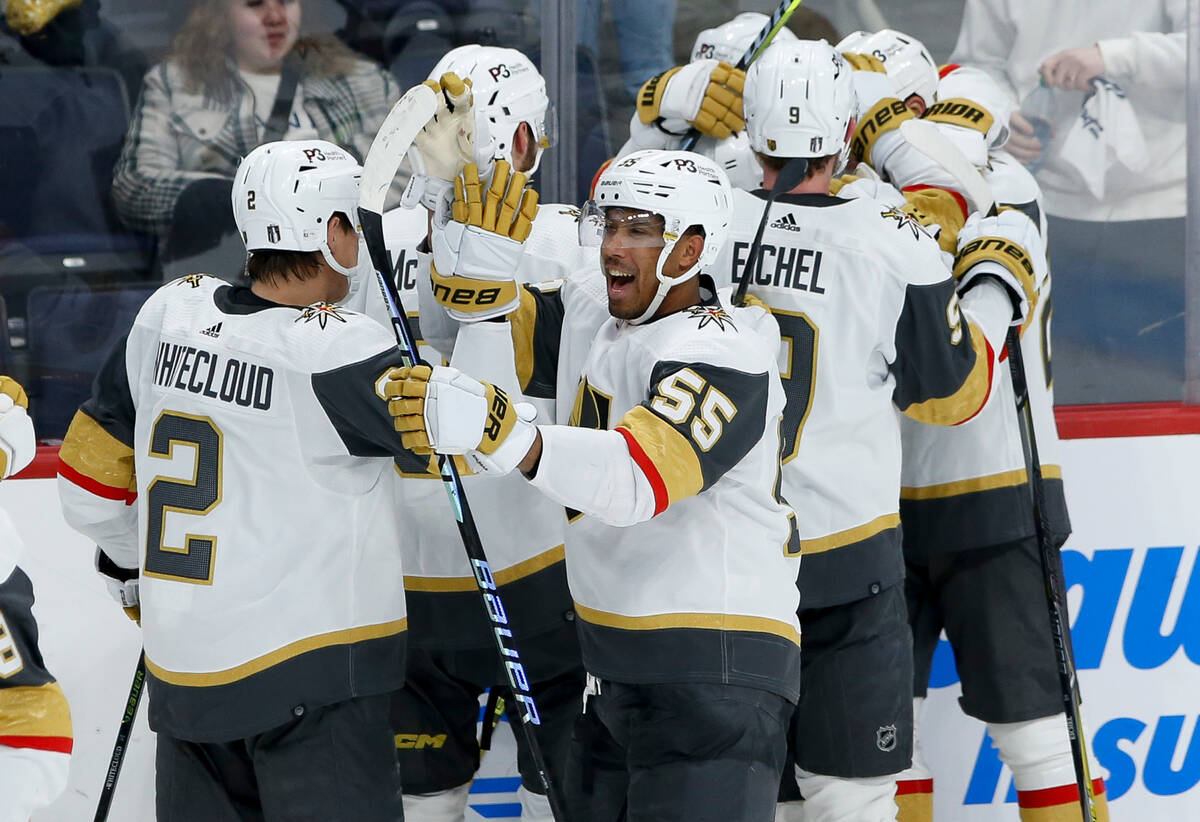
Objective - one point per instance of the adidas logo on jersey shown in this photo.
(213, 331)
(787, 222)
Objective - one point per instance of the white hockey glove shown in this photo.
(122, 584)
(17, 443)
(871, 81)
(444, 146)
(445, 411)
(879, 110)
(706, 94)
(971, 99)
(476, 255)
(997, 247)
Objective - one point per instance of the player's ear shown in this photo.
(690, 246)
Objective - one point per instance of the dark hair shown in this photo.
(270, 266)
(815, 164)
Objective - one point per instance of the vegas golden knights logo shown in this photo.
(591, 408)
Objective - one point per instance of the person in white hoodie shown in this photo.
(1102, 354)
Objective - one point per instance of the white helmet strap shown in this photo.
(665, 283)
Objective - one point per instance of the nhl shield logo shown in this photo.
(885, 738)
(273, 233)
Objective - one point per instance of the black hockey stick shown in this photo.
(930, 142)
(122, 744)
(778, 19)
(387, 151)
(787, 179)
(1056, 596)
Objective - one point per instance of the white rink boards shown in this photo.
(1135, 599)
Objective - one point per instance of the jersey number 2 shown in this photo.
(193, 561)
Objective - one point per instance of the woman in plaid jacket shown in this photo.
(208, 105)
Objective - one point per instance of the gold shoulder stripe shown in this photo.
(849, 536)
(38, 710)
(970, 397)
(522, 323)
(1004, 479)
(348, 636)
(503, 576)
(707, 622)
(931, 205)
(97, 456)
(670, 454)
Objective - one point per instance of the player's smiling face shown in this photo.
(633, 241)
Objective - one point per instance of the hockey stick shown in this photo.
(787, 178)
(778, 20)
(383, 160)
(926, 138)
(122, 743)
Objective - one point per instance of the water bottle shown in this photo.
(1040, 108)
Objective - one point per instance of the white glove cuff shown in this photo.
(988, 269)
(514, 448)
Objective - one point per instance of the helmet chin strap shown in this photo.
(665, 284)
(363, 268)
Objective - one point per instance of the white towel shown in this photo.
(1105, 132)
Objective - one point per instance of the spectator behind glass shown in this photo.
(212, 101)
(645, 33)
(1117, 258)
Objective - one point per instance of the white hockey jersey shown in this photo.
(35, 722)
(869, 319)
(680, 555)
(527, 563)
(966, 487)
(260, 453)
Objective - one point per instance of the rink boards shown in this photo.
(1135, 600)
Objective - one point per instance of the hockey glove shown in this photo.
(122, 584)
(17, 443)
(444, 146)
(706, 94)
(445, 411)
(476, 255)
(996, 247)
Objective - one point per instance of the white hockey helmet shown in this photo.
(800, 101)
(508, 91)
(285, 192)
(684, 188)
(909, 64)
(729, 41)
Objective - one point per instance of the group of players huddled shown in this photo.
(760, 429)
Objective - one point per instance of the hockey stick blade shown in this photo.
(777, 21)
(925, 138)
(402, 125)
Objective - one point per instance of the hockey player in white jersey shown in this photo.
(510, 119)
(971, 552)
(35, 722)
(706, 94)
(248, 425)
(452, 657)
(870, 319)
(680, 556)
